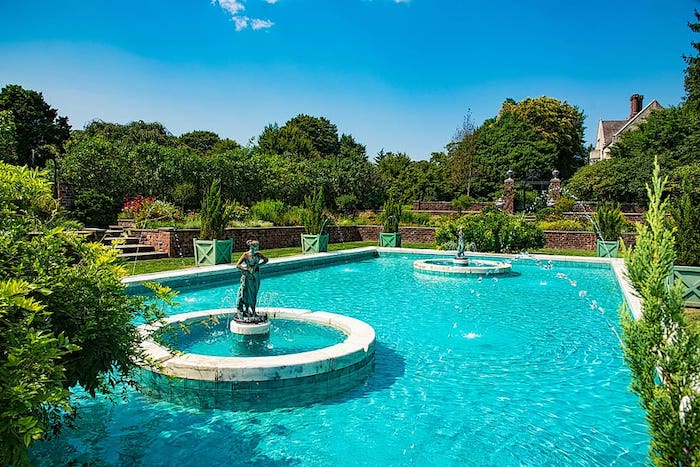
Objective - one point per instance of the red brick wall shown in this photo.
(578, 240)
(178, 242)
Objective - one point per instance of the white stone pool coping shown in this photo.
(475, 267)
(357, 348)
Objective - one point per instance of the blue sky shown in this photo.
(397, 75)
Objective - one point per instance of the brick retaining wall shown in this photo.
(179, 242)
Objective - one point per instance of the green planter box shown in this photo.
(390, 240)
(608, 249)
(210, 252)
(690, 276)
(314, 243)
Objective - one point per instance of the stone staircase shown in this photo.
(130, 247)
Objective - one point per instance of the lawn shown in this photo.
(692, 316)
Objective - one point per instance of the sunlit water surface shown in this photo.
(518, 370)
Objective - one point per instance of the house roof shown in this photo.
(639, 116)
(610, 128)
(613, 128)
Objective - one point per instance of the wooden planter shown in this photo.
(390, 240)
(314, 243)
(690, 276)
(607, 249)
(210, 252)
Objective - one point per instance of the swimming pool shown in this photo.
(525, 369)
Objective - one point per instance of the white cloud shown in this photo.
(235, 7)
(241, 22)
(261, 24)
(232, 6)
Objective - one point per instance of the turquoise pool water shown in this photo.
(519, 370)
(286, 337)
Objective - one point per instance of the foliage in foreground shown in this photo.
(663, 355)
(64, 318)
(492, 230)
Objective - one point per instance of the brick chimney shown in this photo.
(635, 104)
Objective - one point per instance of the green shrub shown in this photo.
(65, 318)
(492, 230)
(346, 203)
(155, 213)
(237, 212)
(462, 202)
(610, 221)
(293, 216)
(95, 209)
(543, 213)
(184, 193)
(367, 218)
(564, 204)
(269, 210)
(686, 217)
(414, 218)
(191, 221)
(561, 224)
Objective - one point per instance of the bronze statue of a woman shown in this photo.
(249, 264)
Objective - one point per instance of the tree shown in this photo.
(692, 71)
(131, 133)
(200, 141)
(508, 142)
(663, 355)
(37, 124)
(462, 153)
(301, 137)
(8, 139)
(64, 316)
(557, 123)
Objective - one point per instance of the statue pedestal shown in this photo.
(250, 326)
(460, 261)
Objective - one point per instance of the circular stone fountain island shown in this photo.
(463, 265)
(241, 382)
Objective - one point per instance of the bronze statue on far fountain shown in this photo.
(460, 243)
(249, 264)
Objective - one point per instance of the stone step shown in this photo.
(126, 240)
(142, 256)
(135, 248)
(113, 232)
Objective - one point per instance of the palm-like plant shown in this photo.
(391, 216)
(214, 214)
(610, 221)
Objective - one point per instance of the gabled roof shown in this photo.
(610, 128)
(641, 115)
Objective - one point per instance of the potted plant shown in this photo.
(609, 222)
(212, 246)
(314, 240)
(391, 216)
